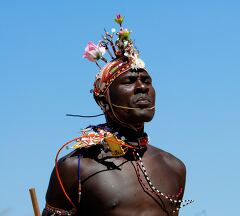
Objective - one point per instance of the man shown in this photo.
(114, 171)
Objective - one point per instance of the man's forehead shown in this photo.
(138, 72)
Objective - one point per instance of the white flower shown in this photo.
(138, 63)
(101, 49)
(113, 30)
(125, 43)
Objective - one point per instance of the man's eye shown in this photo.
(148, 81)
(129, 80)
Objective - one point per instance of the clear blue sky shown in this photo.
(192, 51)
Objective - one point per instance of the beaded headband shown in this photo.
(125, 57)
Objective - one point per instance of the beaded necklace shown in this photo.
(118, 145)
(109, 139)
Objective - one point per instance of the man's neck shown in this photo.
(130, 134)
(133, 137)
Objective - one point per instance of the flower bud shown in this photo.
(119, 19)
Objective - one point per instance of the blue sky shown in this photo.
(191, 49)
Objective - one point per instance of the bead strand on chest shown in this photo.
(171, 198)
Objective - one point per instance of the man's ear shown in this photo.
(103, 103)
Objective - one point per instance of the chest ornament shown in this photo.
(103, 135)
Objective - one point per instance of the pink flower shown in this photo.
(93, 52)
(119, 19)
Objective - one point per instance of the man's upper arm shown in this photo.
(56, 199)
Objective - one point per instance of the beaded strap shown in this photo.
(79, 179)
(58, 212)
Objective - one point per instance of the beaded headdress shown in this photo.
(123, 56)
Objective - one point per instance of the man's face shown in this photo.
(133, 89)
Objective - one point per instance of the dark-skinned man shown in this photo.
(114, 170)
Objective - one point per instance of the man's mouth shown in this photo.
(143, 101)
(140, 99)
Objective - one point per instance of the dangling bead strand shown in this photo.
(186, 202)
(153, 191)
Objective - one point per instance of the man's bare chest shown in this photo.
(122, 186)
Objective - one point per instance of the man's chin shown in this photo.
(141, 116)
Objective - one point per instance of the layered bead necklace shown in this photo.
(119, 145)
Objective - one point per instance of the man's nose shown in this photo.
(141, 87)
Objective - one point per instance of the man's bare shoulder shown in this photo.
(67, 167)
(169, 159)
(70, 162)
